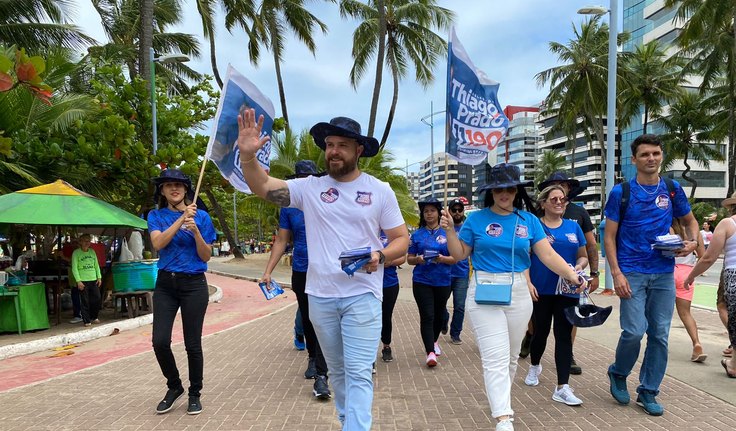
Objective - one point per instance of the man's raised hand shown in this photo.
(249, 133)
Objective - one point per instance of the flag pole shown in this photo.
(199, 181)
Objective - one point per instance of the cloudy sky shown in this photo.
(507, 39)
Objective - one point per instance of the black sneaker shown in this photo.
(575, 368)
(311, 369)
(526, 344)
(386, 354)
(168, 402)
(195, 407)
(320, 390)
(373, 368)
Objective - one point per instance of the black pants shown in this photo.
(547, 309)
(431, 301)
(90, 301)
(298, 285)
(188, 292)
(390, 294)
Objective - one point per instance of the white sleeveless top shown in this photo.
(729, 250)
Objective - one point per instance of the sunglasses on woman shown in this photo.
(557, 200)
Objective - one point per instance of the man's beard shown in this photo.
(342, 171)
(457, 220)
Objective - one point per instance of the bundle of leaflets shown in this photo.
(430, 255)
(353, 260)
(270, 290)
(565, 286)
(668, 244)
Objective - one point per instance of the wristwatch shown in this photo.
(381, 257)
(594, 274)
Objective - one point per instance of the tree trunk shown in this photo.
(282, 94)
(213, 60)
(394, 101)
(217, 209)
(646, 119)
(145, 41)
(688, 178)
(379, 65)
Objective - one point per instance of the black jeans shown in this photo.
(188, 292)
(431, 301)
(90, 301)
(546, 309)
(390, 294)
(298, 285)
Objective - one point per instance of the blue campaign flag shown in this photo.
(238, 93)
(475, 122)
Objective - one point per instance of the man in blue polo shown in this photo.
(642, 276)
(459, 278)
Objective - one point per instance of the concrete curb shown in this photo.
(85, 335)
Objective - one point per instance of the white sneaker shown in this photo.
(505, 425)
(532, 377)
(437, 350)
(565, 395)
(76, 320)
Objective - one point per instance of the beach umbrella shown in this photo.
(61, 204)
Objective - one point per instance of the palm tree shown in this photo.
(650, 79)
(237, 13)
(689, 135)
(274, 17)
(38, 24)
(548, 163)
(409, 40)
(123, 25)
(578, 87)
(708, 38)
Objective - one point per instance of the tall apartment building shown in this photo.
(648, 20)
(584, 162)
(459, 178)
(412, 181)
(518, 147)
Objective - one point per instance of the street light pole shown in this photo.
(431, 140)
(611, 100)
(161, 59)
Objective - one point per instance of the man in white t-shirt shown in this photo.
(344, 210)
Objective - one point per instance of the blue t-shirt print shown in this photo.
(566, 239)
(180, 255)
(433, 274)
(649, 214)
(490, 236)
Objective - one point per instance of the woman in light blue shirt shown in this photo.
(489, 237)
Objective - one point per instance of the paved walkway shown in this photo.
(254, 381)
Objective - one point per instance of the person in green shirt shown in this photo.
(86, 271)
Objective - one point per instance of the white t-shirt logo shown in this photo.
(494, 230)
(330, 195)
(522, 232)
(363, 198)
(441, 239)
(662, 202)
(572, 238)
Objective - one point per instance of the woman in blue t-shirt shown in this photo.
(182, 235)
(431, 280)
(489, 237)
(568, 241)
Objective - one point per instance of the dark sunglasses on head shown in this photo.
(510, 190)
(457, 209)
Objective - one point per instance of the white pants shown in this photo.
(499, 331)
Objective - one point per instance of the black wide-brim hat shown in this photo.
(503, 175)
(345, 127)
(560, 177)
(304, 168)
(430, 201)
(587, 315)
(172, 176)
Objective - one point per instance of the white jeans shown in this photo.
(498, 331)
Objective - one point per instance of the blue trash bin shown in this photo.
(602, 230)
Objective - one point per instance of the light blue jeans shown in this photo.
(648, 311)
(348, 331)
